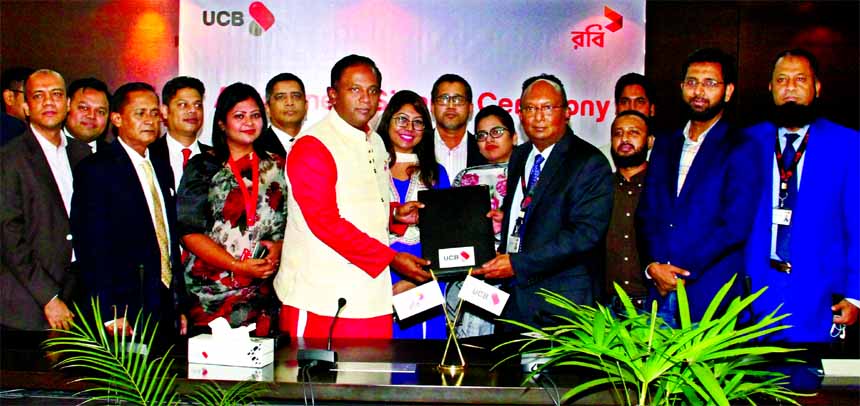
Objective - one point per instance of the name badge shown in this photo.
(513, 244)
(782, 217)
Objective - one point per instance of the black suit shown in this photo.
(563, 245)
(34, 225)
(158, 152)
(115, 240)
(270, 142)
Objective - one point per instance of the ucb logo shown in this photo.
(224, 18)
(263, 19)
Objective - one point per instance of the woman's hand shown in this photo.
(275, 247)
(260, 268)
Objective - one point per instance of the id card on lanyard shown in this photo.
(514, 240)
(249, 198)
(782, 214)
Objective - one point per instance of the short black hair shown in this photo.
(173, 86)
(353, 60)
(13, 78)
(120, 98)
(451, 78)
(636, 113)
(549, 78)
(494, 110)
(87, 83)
(714, 55)
(282, 77)
(813, 61)
(634, 78)
(229, 98)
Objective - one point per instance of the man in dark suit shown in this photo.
(456, 148)
(182, 111)
(88, 112)
(806, 238)
(287, 106)
(128, 253)
(696, 211)
(13, 117)
(36, 283)
(556, 211)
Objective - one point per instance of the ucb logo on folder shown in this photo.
(455, 232)
(456, 257)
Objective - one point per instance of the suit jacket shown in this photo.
(563, 246)
(115, 242)
(158, 153)
(270, 142)
(704, 229)
(10, 127)
(34, 225)
(825, 231)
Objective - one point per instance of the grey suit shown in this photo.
(36, 242)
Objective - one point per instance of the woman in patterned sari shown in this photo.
(497, 137)
(230, 204)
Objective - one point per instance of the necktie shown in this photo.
(535, 172)
(783, 233)
(160, 224)
(186, 153)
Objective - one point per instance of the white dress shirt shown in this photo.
(688, 154)
(285, 139)
(58, 161)
(137, 161)
(92, 144)
(518, 189)
(174, 152)
(453, 159)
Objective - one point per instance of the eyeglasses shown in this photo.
(402, 121)
(707, 83)
(495, 132)
(445, 99)
(547, 109)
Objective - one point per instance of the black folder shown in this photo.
(455, 232)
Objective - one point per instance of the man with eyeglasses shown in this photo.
(287, 107)
(36, 284)
(556, 211)
(456, 149)
(14, 119)
(696, 211)
(807, 234)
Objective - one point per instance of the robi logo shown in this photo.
(262, 18)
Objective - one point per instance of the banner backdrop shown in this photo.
(495, 45)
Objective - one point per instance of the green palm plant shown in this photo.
(117, 373)
(713, 361)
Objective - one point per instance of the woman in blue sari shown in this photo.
(405, 127)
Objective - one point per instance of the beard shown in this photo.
(706, 114)
(793, 115)
(635, 159)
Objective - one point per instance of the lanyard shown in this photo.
(786, 173)
(250, 204)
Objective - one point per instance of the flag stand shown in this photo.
(452, 369)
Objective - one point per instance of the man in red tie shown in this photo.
(182, 112)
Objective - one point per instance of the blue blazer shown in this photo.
(704, 229)
(825, 231)
(563, 245)
(114, 237)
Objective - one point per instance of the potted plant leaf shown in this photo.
(644, 361)
(118, 370)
